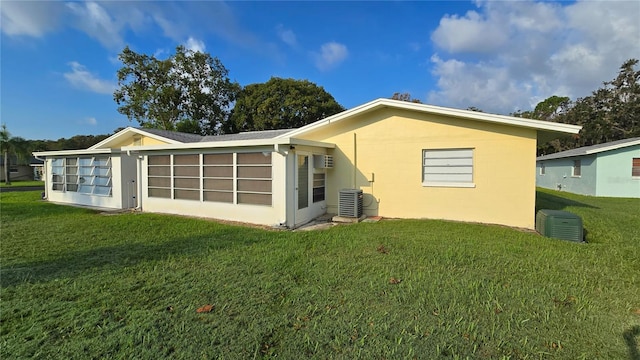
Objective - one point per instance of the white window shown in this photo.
(542, 169)
(635, 167)
(87, 175)
(242, 178)
(319, 181)
(447, 167)
(576, 169)
(254, 178)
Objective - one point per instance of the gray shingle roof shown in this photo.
(194, 138)
(174, 135)
(585, 150)
(249, 135)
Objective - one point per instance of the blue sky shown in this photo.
(59, 59)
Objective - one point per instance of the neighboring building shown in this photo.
(609, 169)
(16, 172)
(37, 167)
(411, 161)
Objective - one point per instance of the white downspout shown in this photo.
(139, 179)
(355, 160)
(44, 175)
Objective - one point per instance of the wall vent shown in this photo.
(323, 161)
(560, 225)
(350, 203)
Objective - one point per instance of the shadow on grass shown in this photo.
(112, 257)
(630, 337)
(549, 201)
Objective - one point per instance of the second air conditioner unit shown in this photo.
(350, 203)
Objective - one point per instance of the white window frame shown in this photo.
(633, 161)
(577, 164)
(453, 167)
(83, 175)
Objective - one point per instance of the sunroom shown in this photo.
(102, 178)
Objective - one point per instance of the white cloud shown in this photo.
(29, 18)
(92, 121)
(107, 21)
(195, 45)
(470, 33)
(331, 55)
(94, 20)
(80, 78)
(286, 35)
(542, 49)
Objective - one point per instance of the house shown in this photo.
(609, 169)
(16, 172)
(410, 160)
(37, 168)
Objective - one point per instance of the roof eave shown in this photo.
(613, 147)
(230, 144)
(456, 113)
(75, 152)
(123, 133)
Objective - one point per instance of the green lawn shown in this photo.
(18, 183)
(77, 284)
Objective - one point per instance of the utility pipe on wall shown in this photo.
(355, 160)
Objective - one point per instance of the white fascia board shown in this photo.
(437, 110)
(361, 109)
(228, 144)
(123, 133)
(612, 147)
(303, 142)
(75, 152)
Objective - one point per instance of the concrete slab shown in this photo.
(344, 219)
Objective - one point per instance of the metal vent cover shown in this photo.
(350, 203)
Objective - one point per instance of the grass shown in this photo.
(18, 183)
(77, 284)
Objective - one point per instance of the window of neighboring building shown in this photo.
(86, 175)
(542, 169)
(576, 170)
(635, 167)
(447, 167)
(13, 169)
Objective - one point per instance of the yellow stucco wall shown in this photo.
(145, 140)
(389, 152)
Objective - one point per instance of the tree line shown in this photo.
(610, 113)
(191, 92)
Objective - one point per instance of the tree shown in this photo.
(405, 97)
(189, 91)
(5, 143)
(280, 104)
(12, 146)
(611, 112)
(551, 108)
